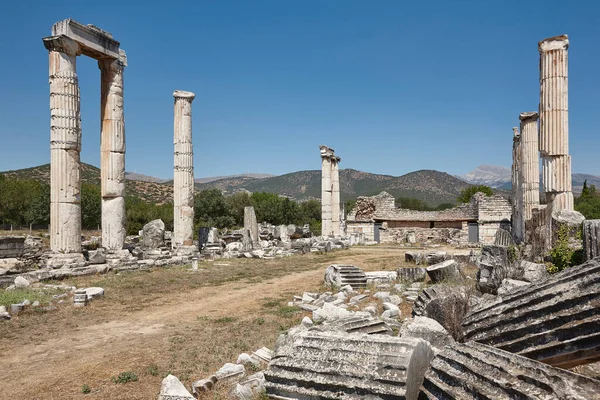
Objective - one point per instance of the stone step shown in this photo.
(476, 371)
(556, 321)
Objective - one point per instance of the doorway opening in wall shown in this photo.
(473, 232)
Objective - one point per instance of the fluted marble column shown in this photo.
(183, 182)
(112, 153)
(335, 196)
(518, 224)
(554, 122)
(326, 192)
(530, 164)
(65, 145)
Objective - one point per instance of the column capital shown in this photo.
(516, 134)
(114, 64)
(62, 44)
(554, 43)
(182, 94)
(528, 116)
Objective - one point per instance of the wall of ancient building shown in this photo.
(368, 228)
(422, 235)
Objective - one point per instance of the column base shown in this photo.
(63, 260)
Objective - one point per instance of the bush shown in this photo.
(124, 377)
(563, 256)
(85, 389)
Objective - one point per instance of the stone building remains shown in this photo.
(330, 193)
(70, 39)
(475, 222)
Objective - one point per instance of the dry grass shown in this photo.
(168, 320)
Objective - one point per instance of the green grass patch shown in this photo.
(225, 320)
(124, 377)
(8, 297)
(287, 311)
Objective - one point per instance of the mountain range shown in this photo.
(498, 177)
(433, 187)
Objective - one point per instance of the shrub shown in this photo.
(124, 377)
(85, 389)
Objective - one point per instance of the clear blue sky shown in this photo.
(392, 86)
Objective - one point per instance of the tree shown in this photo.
(91, 206)
(210, 209)
(235, 206)
(467, 193)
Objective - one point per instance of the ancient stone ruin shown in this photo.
(183, 177)
(70, 39)
(475, 222)
(330, 193)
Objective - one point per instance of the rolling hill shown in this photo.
(433, 187)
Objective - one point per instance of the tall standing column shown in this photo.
(517, 187)
(335, 196)
(183, 182)
(530, 170)
(65, 145)
(554, 123)
(326, 192)
(112, 152)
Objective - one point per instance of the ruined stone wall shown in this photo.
(494, 212)
(422, 235)
(368, 228)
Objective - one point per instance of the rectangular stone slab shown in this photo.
(94, 42)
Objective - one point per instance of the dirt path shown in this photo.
(57, 366)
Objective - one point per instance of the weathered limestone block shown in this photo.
(412, 274)
(12, 246)
(413, 256)
(250, 224)
(380, 277)
(475, 371)
(494, 267)
(570, 222)
(591, 239)
(435, 257)
(97, 256)
(154, 234)
(444, 303)
(333, 365)
(503, 238)
(532, 272)
(359, 323)
(556, 321)
(510, 286)
(446, 270)
(280, 233)
(427, 329)
(342, 275)
(113, 222)
(172, 389)
(294, 232)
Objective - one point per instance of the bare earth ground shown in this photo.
(168, 320)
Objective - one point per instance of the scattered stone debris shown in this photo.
(329, 365)
(173, 389)
(412, 274)
(342, 275)
(427, 329)
(555, 321)
(443, 271)
(477, 371)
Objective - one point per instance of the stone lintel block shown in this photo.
(94, 42)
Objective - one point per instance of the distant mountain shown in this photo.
(217, 178)
(155, 192)
(132, 176)
(434, 187)
(490, 175)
